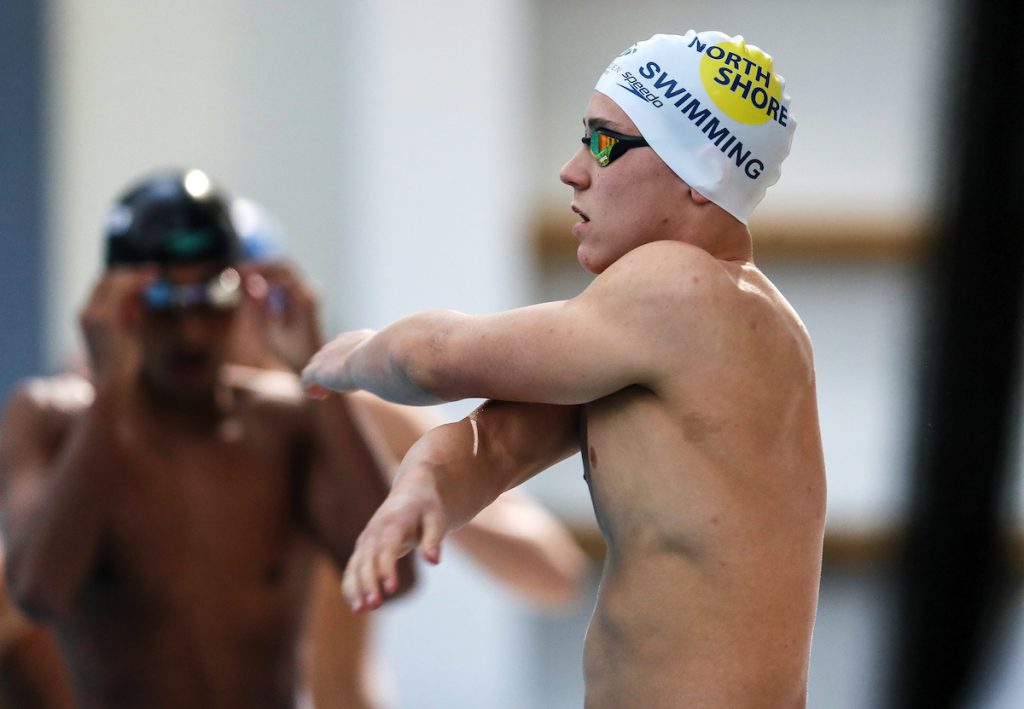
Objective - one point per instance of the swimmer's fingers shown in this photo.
(117, 291)
(350, 588)
(423, 528)
(310, 378)
(287, 310)
(287, 277)
(360, 581)
(283, 295)
(431, 536)
(371, 574)
(317, 392)
(401, 524)
(327, 367)
(110, 318)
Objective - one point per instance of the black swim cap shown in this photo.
(171, 217)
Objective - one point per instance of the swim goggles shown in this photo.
(607, 146)
(222, 292)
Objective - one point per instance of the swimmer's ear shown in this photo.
(698, 198)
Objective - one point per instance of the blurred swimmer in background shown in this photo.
(164, 517)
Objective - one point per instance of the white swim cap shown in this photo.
(712, 107)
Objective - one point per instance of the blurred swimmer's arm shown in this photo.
(514, 539)
(340, 666)
(449, 476)
(56, 490)
(54, 496)
(348, 476)
(348, 482)
(527, 549)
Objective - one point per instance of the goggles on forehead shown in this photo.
(222, 292)
(608, 146)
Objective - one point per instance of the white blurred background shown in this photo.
(412, 151)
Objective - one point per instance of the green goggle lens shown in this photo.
(607, 146)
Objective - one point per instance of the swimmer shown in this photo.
(681, 375)
(164, 518)
(514, 540)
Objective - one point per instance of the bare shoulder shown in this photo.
(47, 402)
(685, 273)
(662, 274)
(270, 400)
(272, 387)
(689, 307)
(668, 283)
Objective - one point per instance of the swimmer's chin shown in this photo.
(587, 261)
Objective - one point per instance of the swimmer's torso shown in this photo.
(198, 594)
(709, 489)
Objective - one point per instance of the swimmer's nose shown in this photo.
(196, 330)
(574, 172)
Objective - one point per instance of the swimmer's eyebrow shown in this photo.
(600, 123)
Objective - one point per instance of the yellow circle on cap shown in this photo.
(740, 80)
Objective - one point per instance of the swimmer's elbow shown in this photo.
(33, 593)
(422, 362)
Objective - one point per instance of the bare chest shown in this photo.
(205, 515)
(641, 463)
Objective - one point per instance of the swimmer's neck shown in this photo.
(721, 235)
(200, 412)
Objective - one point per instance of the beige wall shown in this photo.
(249, 91)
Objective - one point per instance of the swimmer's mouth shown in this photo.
(190, 362)
(579, 213)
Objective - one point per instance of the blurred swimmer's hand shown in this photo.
(412, 516)
(327, 369)
(288, 310)
(110, 323)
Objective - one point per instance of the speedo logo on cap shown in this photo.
(740, 80)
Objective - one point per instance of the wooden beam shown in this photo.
(803, 237)
(843, 547)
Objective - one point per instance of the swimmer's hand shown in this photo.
(287, 308)
(328, 369)
(412, 516)
(110, 323)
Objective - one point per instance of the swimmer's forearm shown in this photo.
(405, 361)
(446, 478)
(497, 447)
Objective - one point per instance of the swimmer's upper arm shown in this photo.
(49, 505)
(30, 434)
(623, 330)
(347, 480)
